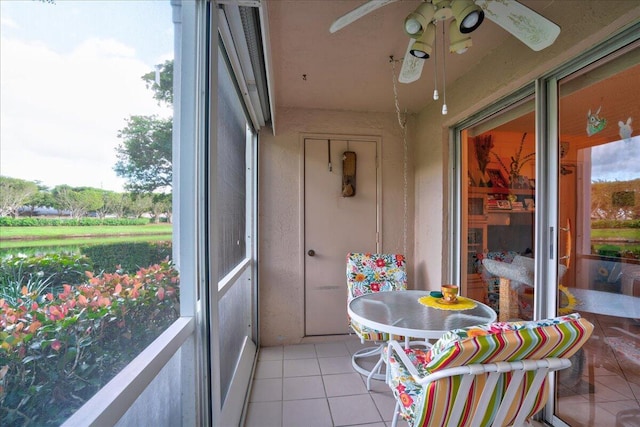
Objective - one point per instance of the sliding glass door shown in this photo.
(599, 238)
(497, 206)
(549, 221)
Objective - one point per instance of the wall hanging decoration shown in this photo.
(595, 123)
(625, 130)
(348, 174)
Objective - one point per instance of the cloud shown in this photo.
(616, 161)
(6, 22)
(61, 112)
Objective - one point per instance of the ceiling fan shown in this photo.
(526, 25)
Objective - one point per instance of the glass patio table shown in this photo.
(400, 313)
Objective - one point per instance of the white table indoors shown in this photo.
(606, 303)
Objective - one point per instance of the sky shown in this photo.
(70, 74)
(616, 161)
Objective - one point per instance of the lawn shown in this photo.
(630, 234)
(42, 233)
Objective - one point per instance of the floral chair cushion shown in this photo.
(368, 273)
(504, 341)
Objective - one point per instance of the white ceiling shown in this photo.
(351, 69)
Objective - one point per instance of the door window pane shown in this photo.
(498, 209)
(599, 195)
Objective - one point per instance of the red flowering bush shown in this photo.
(56, 351)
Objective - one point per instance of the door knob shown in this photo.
(311, 252)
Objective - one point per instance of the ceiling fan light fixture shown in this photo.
(423, 46)
(443, 10)
(468, 14)
(416, 22)
(458, 43)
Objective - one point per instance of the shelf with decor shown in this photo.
(500, 190)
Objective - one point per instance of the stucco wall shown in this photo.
(281, 283)
(508, 68)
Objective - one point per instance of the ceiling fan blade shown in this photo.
(358, 13)
(411, 66)
(525, 24)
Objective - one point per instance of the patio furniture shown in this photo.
(493, 374)
(398, 314)
(369, 273)
(512, 277)
(491, 281)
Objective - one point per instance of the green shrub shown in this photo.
(7, 221)
(127, 257)
(56, 351)
(15, 283)
(612, 223)
(56, 268)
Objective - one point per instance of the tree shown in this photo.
(43, 198)
(144, 156)
(114, 203)
(14, 193)
(161, 82)
(161, 205)
(615, 199)
(140, 204)
(78, 201)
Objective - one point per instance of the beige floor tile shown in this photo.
(266, 390)
(356, 345)
(297, 388)
(358, 409)
(268, 369)
(332, 349)
(264, 414)
(307, 413)
(271, 353)
(617, 383)
(385, 403)
(335, 365)
(300, 351)
(379, 386)
(314, 384)
(301, 367)
(344, 384)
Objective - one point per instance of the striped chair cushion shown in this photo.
(368, 273)
(368, 334)
(558, 337)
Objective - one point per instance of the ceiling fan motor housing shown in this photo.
(443, 10)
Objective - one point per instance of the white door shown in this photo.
(334, 226)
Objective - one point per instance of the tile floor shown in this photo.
(608, 393)
(314, 384)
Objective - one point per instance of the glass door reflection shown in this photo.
(498, 207)
(599, 242)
